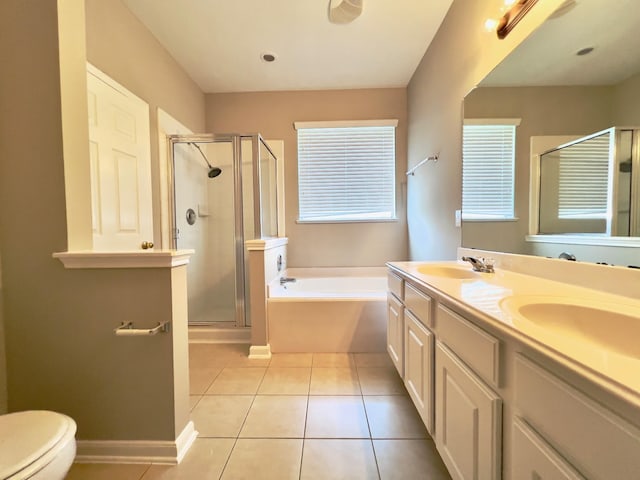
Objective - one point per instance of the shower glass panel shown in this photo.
(224, 193)
(268, 185)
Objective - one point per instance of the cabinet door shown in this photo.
(533, 458)
(468, 420)
(418, 367)
(395, 332)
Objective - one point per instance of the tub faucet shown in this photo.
(285, 280)
(567, 256)
(484, 265)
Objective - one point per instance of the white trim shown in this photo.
(137, 451)
(261, 244)
(137, 259)
(260, 351)
(392, 122)
(487, 219)
(493, 121)
(604, 240)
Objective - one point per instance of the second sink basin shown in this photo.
(614, 327)
(448, 271)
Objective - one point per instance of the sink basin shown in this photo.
(610, 326)
(448, 271)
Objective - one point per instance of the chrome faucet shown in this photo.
(284, 280)
(567, 256)
(484, 265)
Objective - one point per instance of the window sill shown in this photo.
(485, 220)
(366, 220)
(586, 239)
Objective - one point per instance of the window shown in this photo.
(488, 152)
(584, 179)
(346, 171)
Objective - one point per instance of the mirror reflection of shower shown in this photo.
(213, 171)
(215, 218)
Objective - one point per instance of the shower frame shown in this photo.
(236, 143)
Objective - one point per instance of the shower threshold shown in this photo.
(219, 332)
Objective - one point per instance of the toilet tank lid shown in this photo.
(27, 436)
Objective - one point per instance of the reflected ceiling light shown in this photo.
(510, 19)
(344, 11)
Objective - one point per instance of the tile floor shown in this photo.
(295, 416)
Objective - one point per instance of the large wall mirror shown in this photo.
(575, 77)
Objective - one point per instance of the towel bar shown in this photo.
(126, 329)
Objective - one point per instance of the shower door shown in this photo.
(208, 219)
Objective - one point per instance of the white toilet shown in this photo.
(36, 445)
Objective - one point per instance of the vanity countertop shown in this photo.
(489, 298)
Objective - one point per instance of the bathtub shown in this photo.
(328, 310)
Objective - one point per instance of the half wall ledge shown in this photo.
(133, 259)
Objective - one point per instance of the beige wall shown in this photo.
(60, 348)
(543, 111)
(626, 103)
(272, 114)
(461, 54)
(122, 47)
(3, 362)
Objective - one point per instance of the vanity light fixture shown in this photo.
(344, 11)
(510, 19)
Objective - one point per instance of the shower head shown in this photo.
(213, 171)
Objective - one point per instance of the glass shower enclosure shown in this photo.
(223, 193)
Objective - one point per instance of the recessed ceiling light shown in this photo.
(584, 51)
(268, 57)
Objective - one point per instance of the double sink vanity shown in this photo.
(517, 376)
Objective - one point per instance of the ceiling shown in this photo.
(220, 43)
(548, 56)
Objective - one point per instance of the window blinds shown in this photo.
(346, 173)
(583, 179)
(488, 153)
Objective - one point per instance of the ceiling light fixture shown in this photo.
(344, 11)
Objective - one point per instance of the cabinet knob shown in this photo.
(146, 245)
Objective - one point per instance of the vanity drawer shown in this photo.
(396, 285)
(593, 439)
(476, 347)
(532, 457)
(418, 303)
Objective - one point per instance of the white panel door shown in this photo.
(468, 420)
(418, 367)
(120, 165)
(395, 332)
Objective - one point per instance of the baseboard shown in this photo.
(137, 451)
(260, 351)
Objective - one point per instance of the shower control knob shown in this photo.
(146, 245)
